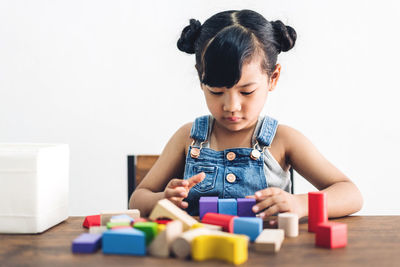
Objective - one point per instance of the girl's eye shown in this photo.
(247, 93)
(215, 93)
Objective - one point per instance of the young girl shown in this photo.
(235, 152)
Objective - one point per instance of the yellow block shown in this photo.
(229, 247)
(197, 225)
(161, 227)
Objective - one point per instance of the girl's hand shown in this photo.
(178, 189)
(273, 200)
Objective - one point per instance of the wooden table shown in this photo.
(372, 241)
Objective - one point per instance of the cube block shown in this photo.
(331, 235)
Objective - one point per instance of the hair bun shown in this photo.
(285, 35)
(189, 36)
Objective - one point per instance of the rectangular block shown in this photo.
(317, 209)
(167, 209)
(331, 235)
(124, 241)
(249, 226)
(97, 229)
(34, 186)
(227, 206)
(86, 243)
(270, 240)
(107, 215)
(244, 207)
(208, 204)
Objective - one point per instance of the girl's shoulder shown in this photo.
(182, 135)
(285, 141)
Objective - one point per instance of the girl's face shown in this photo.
(238, 108)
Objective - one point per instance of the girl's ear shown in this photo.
(273, 80)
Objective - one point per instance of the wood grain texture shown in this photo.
(372, 241)
(143, 165)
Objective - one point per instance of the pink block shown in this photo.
(331, 235)
(317, 209)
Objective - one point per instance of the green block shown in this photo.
(112, 224)
(149, 228)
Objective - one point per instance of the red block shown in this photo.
(164, 221)
(92, 220)
(331, 235)
(317, 210)
(224, 220)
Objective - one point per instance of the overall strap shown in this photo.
(199, 130)
(267, 131)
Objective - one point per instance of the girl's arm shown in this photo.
(169, 165)
(343, 196)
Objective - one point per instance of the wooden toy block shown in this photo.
(163, 221)
(289, 222)
(331, 235)
(249, 226)
(270, 240)
(232, 249)
(111, 225)
(106, 215)
(121, 227)
(92, 220)
(149, 228)
(181, 246)
(167, 209)
(161, 245)
(206, 225)
(244, 207)
(97, 229)
(227, 206)
(161, 227)
(317, 209)
(124, 241)
(224, 220)
(207, 204)
(86, 243)
(121, 218)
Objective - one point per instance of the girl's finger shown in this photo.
(178, 182)
(196, 179)
(270, 211)
(184, 204)
(265, 193)
(180, 192)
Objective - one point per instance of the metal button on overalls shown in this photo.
(230, 156)
(231, 178)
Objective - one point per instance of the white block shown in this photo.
(289, 222)
(34, 185)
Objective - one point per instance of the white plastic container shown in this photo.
(34, 183)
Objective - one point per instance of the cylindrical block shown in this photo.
(289, 222)
(317, 209)
(224, 220)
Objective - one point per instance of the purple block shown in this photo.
(244, 206)
(86, 243)
(208, 204)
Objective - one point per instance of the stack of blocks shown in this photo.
(241, 207)
(327, 234)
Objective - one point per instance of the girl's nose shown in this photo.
(232, 103)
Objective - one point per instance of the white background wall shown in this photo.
(106, 78)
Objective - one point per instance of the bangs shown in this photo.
(225, 55)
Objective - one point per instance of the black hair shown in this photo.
(229, 39)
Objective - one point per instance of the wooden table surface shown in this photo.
(372, 241)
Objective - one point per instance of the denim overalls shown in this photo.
(232, 173)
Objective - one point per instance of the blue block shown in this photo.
(208, 204)
(124, 241)
(86, 243)
(227, 206)
(122, 217)
(244, 207)
(250, 226)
